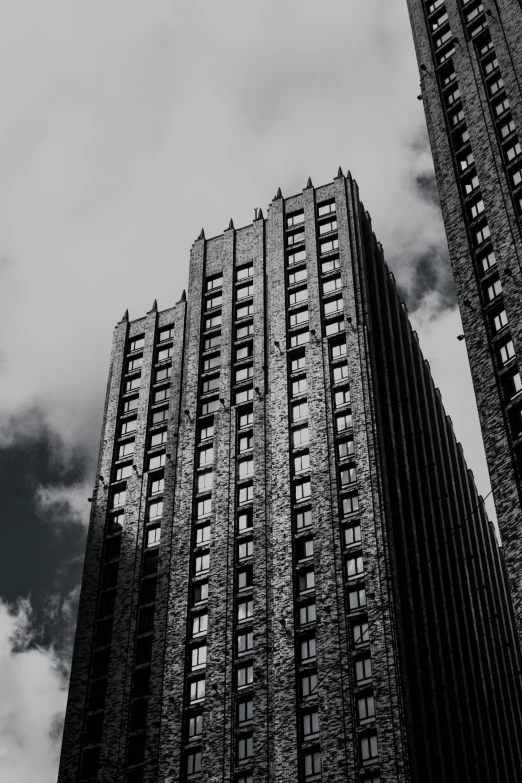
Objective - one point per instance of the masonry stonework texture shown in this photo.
(289, 574)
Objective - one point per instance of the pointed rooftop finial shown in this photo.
(260, 214)
(125, 317)
(309, 183)
(202, 234)
(154, 305)
(231, 224)
(183, 296)
(340, 172)
(278, 194)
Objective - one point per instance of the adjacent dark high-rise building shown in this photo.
(289, 574)
(470, 58)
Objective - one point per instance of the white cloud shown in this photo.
(33, 700)
(61, 504)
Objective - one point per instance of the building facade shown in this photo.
(470, 58)
(289, 573)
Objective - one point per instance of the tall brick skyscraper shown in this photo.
(289, 574)
(470, 57)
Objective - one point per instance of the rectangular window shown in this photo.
(133, 383)
(209, 406)
(456, 117)
(350, 503)
(500, 320)
(363, 670)
(204, 508)
(471, 184)
(501, 106)
(126, 449)
(195, 726)
(507, 128)
(334, 327)
(245, 676)
(340, 372)
(156, 509)
(246, 494)
(213, 321)
(295, 220)
(338, 349)
(245, 642)
(343, 422)
(206, 456)
(306, 580)
(332, 284)
(482, 234)
(137, 343)
(159, 416)
(495, 86)
(130, 405)
(244, 373)
(326, 228)
(214, 282)
(213, 301)
(135, 364)
(245, 749)
(452, 96)
(210, 384)
(157, 461)
(303, 518)
(506, 351)
(123, 472)
(307, 615)
(493, 290)
(244, 272)
(300, 436)
(357, 599)
(202, 563)
(246, 442)
(513, 151)
(245, 712)
(302, 462)
(476, 209)
(193, 764)
(342, 397)
(164, 354)
(118, 498)
(206, 431)
(163, 374)
(212, 362)
(296, 257)
(328, 245)
(245, 778)
(345, 448)
(298, 363)
(307, 649)
(326, 208)
(333, 306)
(157, 485)
(200, 592)
(166, 333)
(295, 239)
(466, 160)
(300, 295)
(246, 468)
(354, 567)
(360, 634)
(245, 395)
(369, 748)
(244, 291)
(197, 690)
(302, 491)
(299, 338)
(158, 438)
(161, 394)
(299, 411)
(488, 261)
(199, 657)
(199, 624)
(244, 351)
(312, 765)
(246, 419)
(330, 264)
(298, 318)
(309, 685)
(441, 40)
(348, 476)
(214, 341)
(311, 725)
(244, 520)
(247, 330)
(202, 534)
(298, 277)
(245, 610)
(352, 534)
(245, 549)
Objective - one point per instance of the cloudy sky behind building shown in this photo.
(127, 126)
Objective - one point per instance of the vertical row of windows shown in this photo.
(490, 287)
(155, 457)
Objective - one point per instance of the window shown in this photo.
(307, 614)
(214, 341)
(360, 633)
(348, 475)
(299, 411)
(299, 338)
(214, 282)
(123, 472)
(161, 394)
(125, 449)
(340, 372)
(333, 284)
(202, 563)
(452, 96)
(466, 160)
(312, 765)
(513, 151)
(204, 508)
(245, 395)
(298, 363)
(199, 657)
(506, 351)
(441, 40)
(130, 405)
(500, 320)
(210, 384)
(133, 383)
(363, 670)
(246, 494)
(199, 624)
(206, 456)
(164, 354)
(212, 321)
(153, 536)
(166, 333)
(482, 234)
(476, 209)
(300, 436)
(471, 184)
(333, 327)
(244, 373)
(212, 362)
(246, 442)
(243, 352)
(297, 257)
(297, 277)
(338, 349)
(245, 711)
(135, 364)
(488, 261)
(202, 534)
(137, 343)
(245, 676)
(302, 490)
(244, 291)
(343, 422)
(195, 726)
(515, 383)
(485, 45)
(496, 85)
(197, 690)
(245, 749)
(493, 290)
(311, 725)
(244, 578)
(439, 20)
(449, 52)
(369, 749)
(354, 567)
(306, 580)
(159, 416)
(298, 318)
(327, 246)
(200, 592)
(352, 534)
(303, 518)
(163, 374)
(245, 610)
(209, 406)
(158, 438)
(302, 462)
(158, 461)
(326, 208)
(456, 117)
(333, 306)
(245, 778)
(300, 295)
(307, 648)
(213, 301)
(247, 330)
(244, 272)
(157, 485)
(330, 265)
(350, 503)
(246, 419)
(206, 431)
(245, 642)
(342, 397)
(507, 128)
(325, 228)
(295, 239)
(205, 481)
(474, 12)
(246, 468)
(295, 220)
(309, 685)
(501, 106)
(245, 549)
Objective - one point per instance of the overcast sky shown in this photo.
(126, 127)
